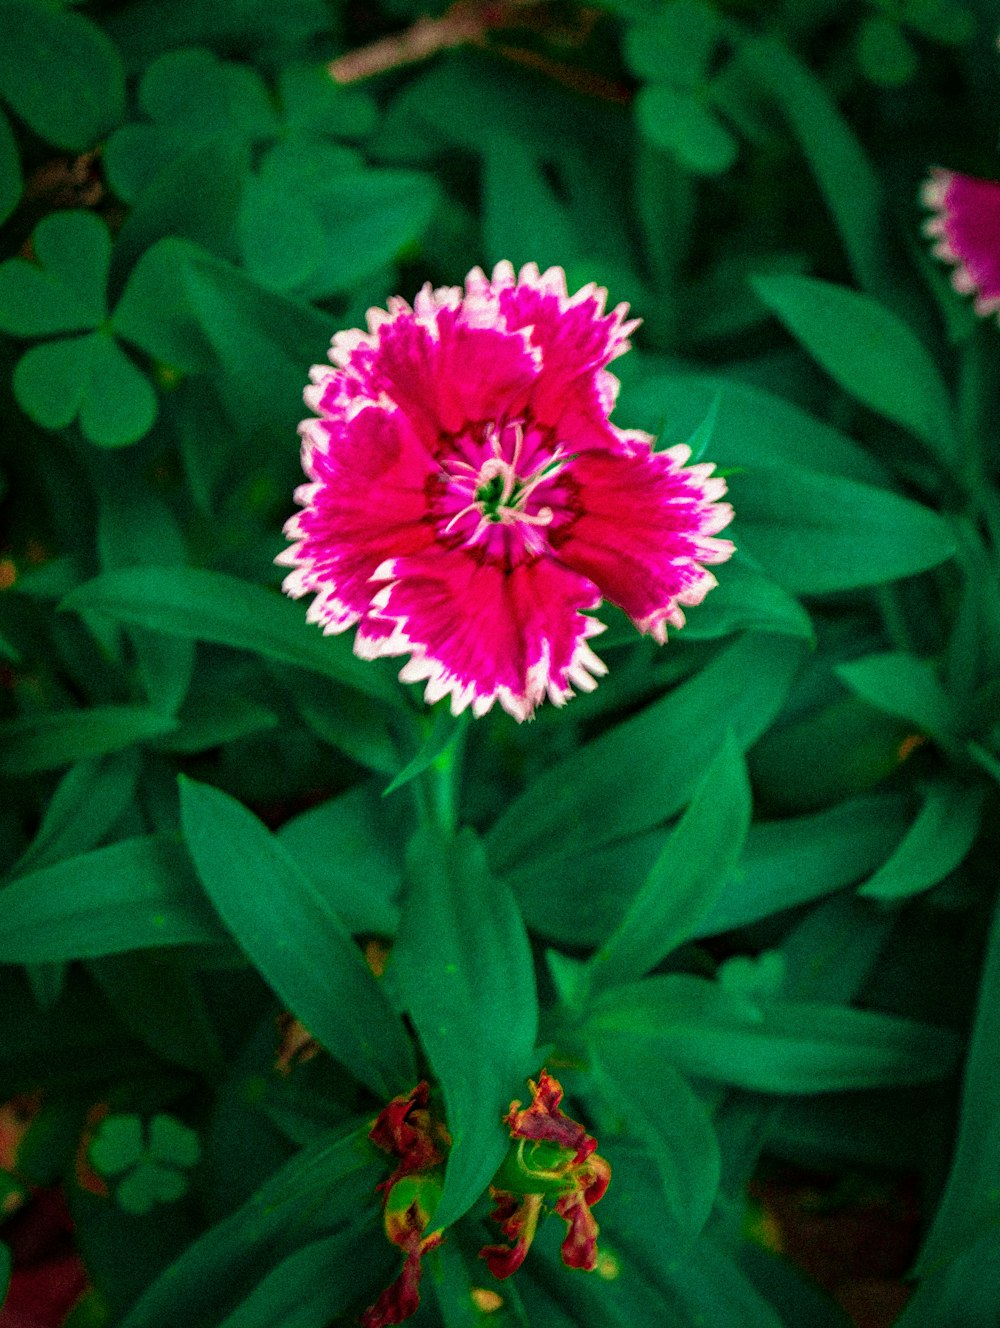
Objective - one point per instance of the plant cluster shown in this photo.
(299, 953)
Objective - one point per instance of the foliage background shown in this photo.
(739, 900)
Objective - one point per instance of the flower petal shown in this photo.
(577, 339)
(542, 1119)
(366, 503)
(517, 1216)
(644, 527)
(967, 230)
(404, 1127)
(482, 631)
(438, 365)
(579, 1249)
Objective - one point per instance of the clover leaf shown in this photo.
(152, 1170)
(191, 98)
(87, 376)
(60, 73)
(672, 50)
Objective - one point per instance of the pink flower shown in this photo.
(966, 226)
(470, 501)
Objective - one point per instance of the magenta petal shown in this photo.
(481, 632)
(646, 525)
(366, 503)
(439, 368)
(576, 339)
(966, 228)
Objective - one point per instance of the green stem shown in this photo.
(438, 788)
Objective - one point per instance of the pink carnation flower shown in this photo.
(470, 501)
(966, 226)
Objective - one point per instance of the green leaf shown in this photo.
(212, 719)
(90, 376)
(195, 312)
(837, 751)
(313, 103)
(770, 1046)
(60, 73)
(370, 218)
(196, 196)
(148, 1185)
(310, 1288)
(299, 944)
(747, 600)
(196, 96)
(193, 99)
(442, 735)
(173, 1142)
(674, 44)
(118, 1144)
(815, 533)
(326, 1186)
(657, 1105)
(134, 895)
(784, 863)
(136, 527)
(941, 20)
(904, 686)
(869, 352)
(681, 123)
(119, 405)
(465, 973)
(937, 842)
(970, 1205)
(47, 741)
(211, 606)
(577, 801)
(87, 802)
(158, 998)
(542, 228)
(797, 859)
(281, 247)
(884, 54)
(964, 1291)
(50, 380)
(686, 878)
(6, 1267)
(352, 848)
(63, 290)
(360, 727)
(844, 174)
(753, 428)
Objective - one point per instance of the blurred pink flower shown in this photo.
(966, 227)
(470, 501)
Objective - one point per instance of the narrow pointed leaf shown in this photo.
(47, 741)
(672, 742)
(211, 606)
(769, 1045)
(904, 686)
(134, 895)
(291, 933)
(686, 878)
(937, 842)
(870, 352)
(466, 975)
(970, 1205)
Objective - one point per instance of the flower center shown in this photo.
(499, 489)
